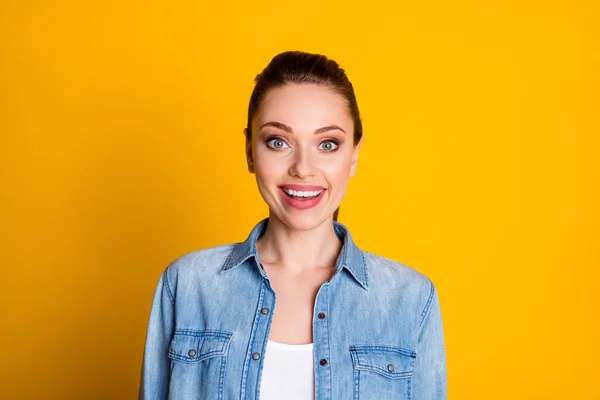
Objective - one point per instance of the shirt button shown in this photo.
(321, 315)
(390, 368)
(264, 310)
(323, 362)
(192, 353)
(255, 356)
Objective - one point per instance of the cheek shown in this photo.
(264, 172)
(266, 167)
(338, 169)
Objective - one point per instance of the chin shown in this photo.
(304, 222)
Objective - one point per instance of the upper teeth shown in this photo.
(303, 194)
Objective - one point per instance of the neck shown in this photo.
(297, 250)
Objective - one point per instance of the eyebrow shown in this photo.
(289, 129)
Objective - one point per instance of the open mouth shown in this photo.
(302, 195)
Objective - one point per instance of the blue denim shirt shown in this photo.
(377, 328)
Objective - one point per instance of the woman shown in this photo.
(297, 310)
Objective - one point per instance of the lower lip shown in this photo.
(301, 203)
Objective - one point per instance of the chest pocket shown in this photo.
(198, 361)
(382, 372)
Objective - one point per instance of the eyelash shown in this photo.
(272, 138)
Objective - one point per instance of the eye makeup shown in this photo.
(275, 139)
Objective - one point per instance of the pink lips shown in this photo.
(302, 188)
(301, 203)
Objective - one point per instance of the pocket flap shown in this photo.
(194, 346)
(389, 361)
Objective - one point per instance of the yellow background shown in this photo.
(122, 148)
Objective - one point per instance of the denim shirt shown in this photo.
(377, 328)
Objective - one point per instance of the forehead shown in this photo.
(304, 107)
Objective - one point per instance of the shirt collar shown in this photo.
(351, 257)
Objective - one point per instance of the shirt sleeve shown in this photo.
(154, 381)
(429, 380)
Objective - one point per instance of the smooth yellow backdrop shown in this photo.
(122, 148)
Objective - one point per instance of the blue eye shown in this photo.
(276, 143)
(328, 145)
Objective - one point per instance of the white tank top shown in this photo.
(288, 372)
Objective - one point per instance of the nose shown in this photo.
(302, 165)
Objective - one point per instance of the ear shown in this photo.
(249, 158)
(355, 157)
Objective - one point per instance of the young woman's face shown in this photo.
(302, 152)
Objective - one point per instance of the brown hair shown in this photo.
(302, 67)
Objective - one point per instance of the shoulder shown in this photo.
(201, 263)
(381, 267)
(393, 276)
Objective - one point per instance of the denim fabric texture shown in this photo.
(377, 328)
